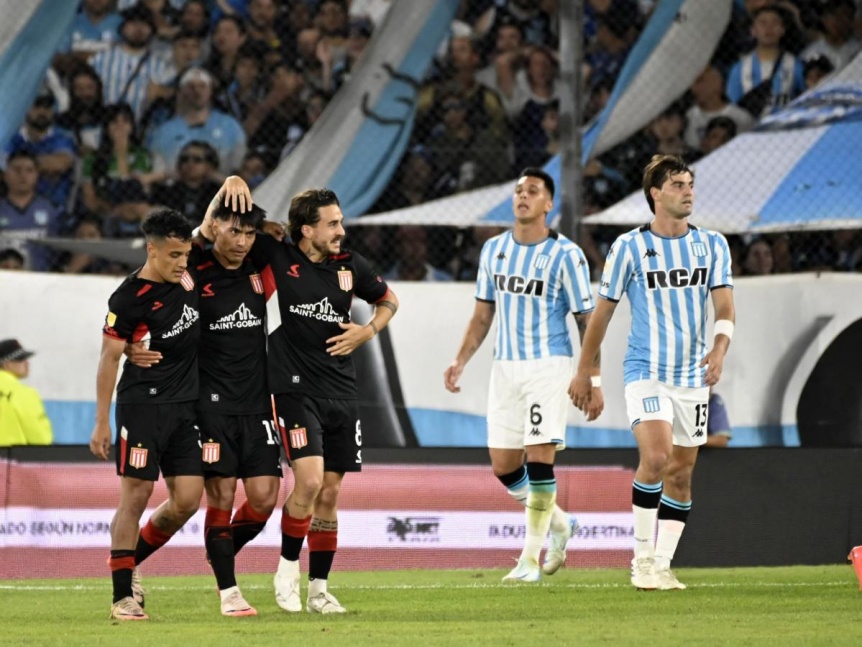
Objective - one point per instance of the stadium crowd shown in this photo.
(155, 102)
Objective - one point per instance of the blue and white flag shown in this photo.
(29, 33)
(355, 146)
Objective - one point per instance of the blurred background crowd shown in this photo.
(155, 102)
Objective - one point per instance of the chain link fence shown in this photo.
(155, 102)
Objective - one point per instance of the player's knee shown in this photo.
(263, 498)
(307, 486)
(328, 496)
(654, 464)
(678, 478)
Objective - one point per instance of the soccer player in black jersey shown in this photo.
(310, 282)
(155, 414)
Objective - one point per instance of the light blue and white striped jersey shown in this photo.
(668, 281)
(115, 67)
(534, 288)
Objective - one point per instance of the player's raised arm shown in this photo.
(234, 193)
(477, 330)
(725, 318)
(106, 380)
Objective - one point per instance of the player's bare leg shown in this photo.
(322, 544)
(655, 444)
(508, 466)
(673, 513)
(134, 495)
(295, 522)
(250, 518)
(218, 540)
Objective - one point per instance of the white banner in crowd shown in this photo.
(784, 324)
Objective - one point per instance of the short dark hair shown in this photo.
(166, 223)
(210, 153)
(9, 252)
(251, 218)
(532, 171)
(305, 209)
(725, 123)
(21, 154)
(660, 168)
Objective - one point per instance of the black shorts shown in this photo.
(239, 446)
(153, 436)
(321, 427)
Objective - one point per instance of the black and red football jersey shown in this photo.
(305, 303)
(232, 350)
(165, 316)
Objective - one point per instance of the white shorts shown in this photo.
(684, 408)
(528, 403)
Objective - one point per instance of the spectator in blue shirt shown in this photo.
(197, 120)
(93, 29)
(54, 150)
(718, 430)
(26, 216)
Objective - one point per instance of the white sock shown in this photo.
(559, 519)
(669, 532)
(226, 593)
(539, 510)
(286, 567)
(316, 587)
(644, 529)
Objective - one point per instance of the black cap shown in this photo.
(11, 351)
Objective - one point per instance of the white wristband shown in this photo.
(596, 381)
(723, 327)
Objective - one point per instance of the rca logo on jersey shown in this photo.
(322, 311)
(519, 285)
(186, 321)
(211, 452)
(679, 277)
(242, 317)
(345, 279)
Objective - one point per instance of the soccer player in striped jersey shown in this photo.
(534, 277)
(669, 269)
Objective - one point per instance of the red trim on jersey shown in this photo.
(340, 257)
(109, 332)
(140, 332)
(385, 294)
(204, 266)
(145, 289)
(268, 281)
(122, 454)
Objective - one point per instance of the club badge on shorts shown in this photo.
(298, 438)
(256, 283)
(345, 279)
(138, 457)
(211, 452)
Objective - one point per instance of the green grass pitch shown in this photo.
(801, 605)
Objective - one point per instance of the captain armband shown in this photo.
(723, 327)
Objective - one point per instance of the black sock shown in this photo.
(291, 547)
(122, 562)
(319, 564)
(244, 532)
(219, 544)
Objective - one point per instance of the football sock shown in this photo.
(122, 562)
(293, 532)
(645, 498)
(672, 516)
(149, 541)
(322, 544)
(247, 524)
(218, 540)
(518, 485)
(540, 508)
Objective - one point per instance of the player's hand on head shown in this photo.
(452, 375)
(141, 356)
(100, 441)
(236, 195)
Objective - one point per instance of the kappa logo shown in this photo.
(651, 253)
(208, 290)
(293, 271)
(242, 317)
(501, 256)
(698, 433)
(158, 305)
(535, 432)
(322, 311)
(186, 321)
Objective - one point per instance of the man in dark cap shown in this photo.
(22, 415)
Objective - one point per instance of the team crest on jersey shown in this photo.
(187, 282)
(298, 438)
(256, 283)
(541, 261)
(211, 452)
(138, 457)
(698, 249)
(345, 280)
